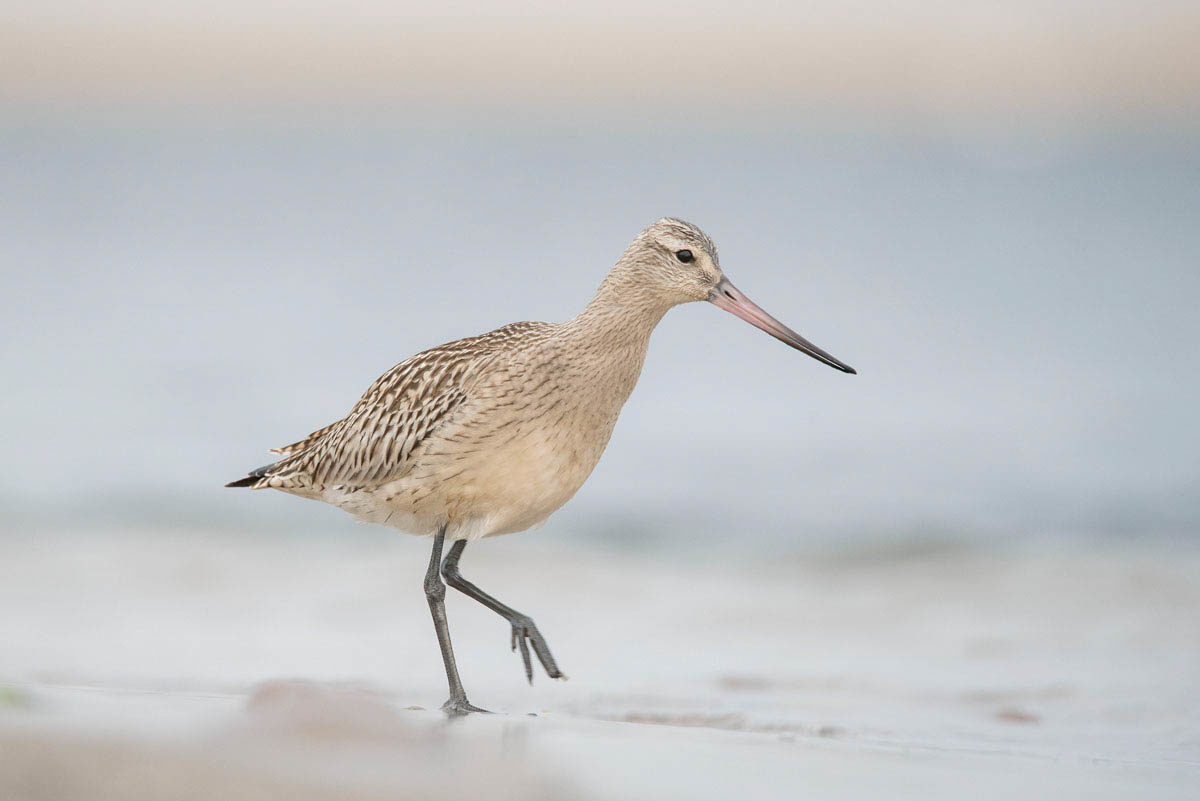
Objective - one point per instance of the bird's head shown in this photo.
(673, 262)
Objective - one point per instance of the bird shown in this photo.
(492, 434)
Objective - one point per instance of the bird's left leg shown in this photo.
(524, 630)
(435, 593)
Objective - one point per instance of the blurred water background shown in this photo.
(219, 226)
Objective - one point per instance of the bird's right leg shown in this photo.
(435, 593)
(523, 627)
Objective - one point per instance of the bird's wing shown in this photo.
(373, 444)
(307, 442)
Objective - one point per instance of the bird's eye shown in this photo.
(684, 256)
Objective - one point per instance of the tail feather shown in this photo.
(248, 481)
(256, 475)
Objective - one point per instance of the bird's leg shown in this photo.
(524, 631)
(435, 593)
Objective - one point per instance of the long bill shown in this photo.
(726, 296)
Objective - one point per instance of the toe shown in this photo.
(459, 708)
(525, 657)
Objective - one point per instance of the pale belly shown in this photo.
(484, 489)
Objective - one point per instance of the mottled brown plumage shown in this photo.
(491, 434)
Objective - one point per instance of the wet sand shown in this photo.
(165, 666)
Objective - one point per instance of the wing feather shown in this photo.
(305, 443)
(403, 408)
(375, 442)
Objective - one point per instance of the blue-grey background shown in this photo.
(198, 268)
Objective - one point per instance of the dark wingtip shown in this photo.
(850, 370)
(252, 479)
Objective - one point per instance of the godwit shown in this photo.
(492, 434)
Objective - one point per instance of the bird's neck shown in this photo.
(623, 311)
(609, 340)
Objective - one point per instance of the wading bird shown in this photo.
(492, 434)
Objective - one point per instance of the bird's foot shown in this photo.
(458, 707)
(524, 634)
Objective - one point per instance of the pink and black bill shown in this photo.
(726, 296)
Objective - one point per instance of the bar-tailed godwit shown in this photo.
(492, 434)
